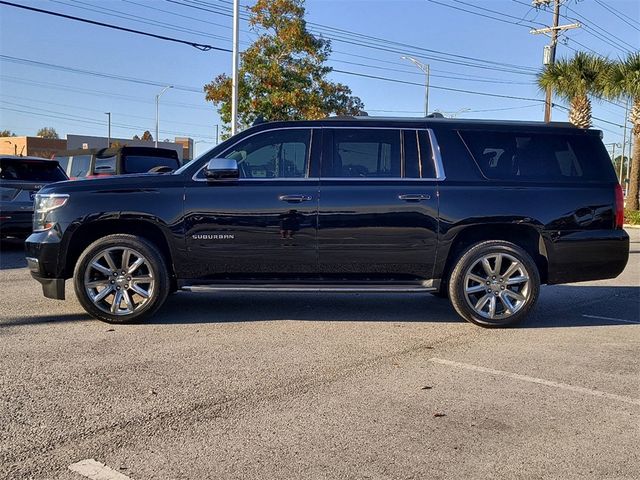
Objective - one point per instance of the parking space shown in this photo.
(333, 386)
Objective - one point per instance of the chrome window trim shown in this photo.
(435, 157)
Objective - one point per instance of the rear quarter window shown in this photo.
(546, 157)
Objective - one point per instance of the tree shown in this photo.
(48, 132)
(282, 75)
(575, 80)
(147, 136)
(623, 81)
(7, 133)
(136, 137)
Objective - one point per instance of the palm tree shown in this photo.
(574, 80)
(623, 81)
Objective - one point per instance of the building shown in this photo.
(31, 146)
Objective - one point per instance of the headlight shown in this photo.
(44, 204)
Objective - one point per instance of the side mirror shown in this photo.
(222, 169)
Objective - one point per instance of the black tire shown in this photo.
(154, 268)
(468, 261)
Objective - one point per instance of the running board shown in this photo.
(299, 288)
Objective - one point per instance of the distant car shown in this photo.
(20, 180)
(98, 162)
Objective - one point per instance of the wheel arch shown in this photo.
(525, 236)
(89, 232)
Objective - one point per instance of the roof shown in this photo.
(422, 122)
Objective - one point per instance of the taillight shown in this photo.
(619, 206)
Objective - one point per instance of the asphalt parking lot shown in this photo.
(307, 386)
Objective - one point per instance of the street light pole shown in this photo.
(234, 74)
(108, 114)
(426, 69)
(158, 112)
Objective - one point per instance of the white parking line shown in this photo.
(540, 381)
(612, 319)
(96, 471)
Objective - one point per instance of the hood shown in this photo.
(132, 182)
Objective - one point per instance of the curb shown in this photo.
(635, 227)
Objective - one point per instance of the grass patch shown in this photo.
(632, 217)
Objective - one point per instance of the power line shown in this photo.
(437, 87)
(199, 46)
(64, 68)
(617, 14)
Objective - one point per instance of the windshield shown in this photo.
(31, 170)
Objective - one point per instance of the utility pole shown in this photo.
(158, 112)
(426, 69)
(217, 133)
(624, 147)
(550, 50)
(108, 114)
(234, 75)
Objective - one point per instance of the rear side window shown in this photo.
(366, 153)
(31, 170)
(538, 156)
(144, 163)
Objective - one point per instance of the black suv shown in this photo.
(480, 211)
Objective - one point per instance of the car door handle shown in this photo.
(414, 197)
(295, 198)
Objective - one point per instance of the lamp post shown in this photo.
(426, 69)
(234, 74)
(158, 112)
(108, 114)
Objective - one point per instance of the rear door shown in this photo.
(378, 211)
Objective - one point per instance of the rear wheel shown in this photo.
(494, 283)
(121, 279)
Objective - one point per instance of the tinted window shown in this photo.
(80, 165)
(277, 154)
(538, 156)
(144, 163)
(31, 170)
(366, 153)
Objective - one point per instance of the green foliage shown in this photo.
(136, 137)
(7, 133)
(579, 76)
(282, 75)
(48, 132)
(632, 217)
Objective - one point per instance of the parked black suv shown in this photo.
(480, 211)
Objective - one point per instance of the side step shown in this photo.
(312, 288)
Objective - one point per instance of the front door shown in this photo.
(263, 225)
(378, 214)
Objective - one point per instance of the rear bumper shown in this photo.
(586, 255)
(16, 223)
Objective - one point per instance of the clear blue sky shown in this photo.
(73, 103)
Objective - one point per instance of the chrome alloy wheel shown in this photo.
(497, 286)
(119, 280)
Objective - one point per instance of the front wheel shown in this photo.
(494, 284)
(121, 279)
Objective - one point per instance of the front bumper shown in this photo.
(43, 254)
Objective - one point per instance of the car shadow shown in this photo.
(559, 306)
